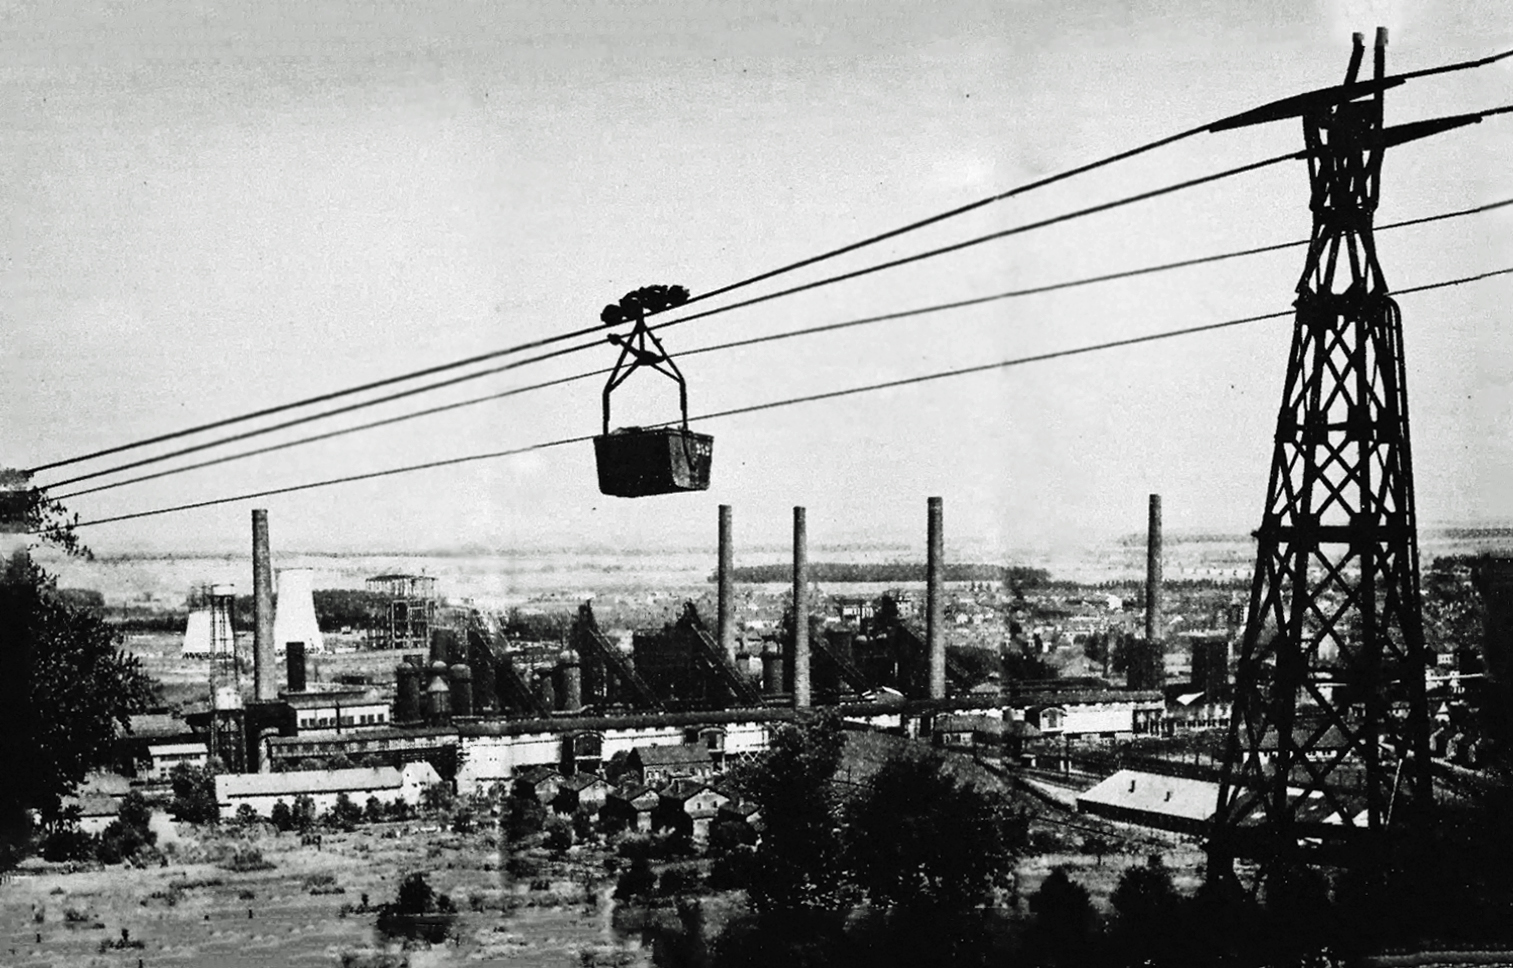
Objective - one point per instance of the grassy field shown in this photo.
(306, 909)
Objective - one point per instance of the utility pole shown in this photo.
(1330, 717)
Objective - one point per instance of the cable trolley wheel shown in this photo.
(643, 461)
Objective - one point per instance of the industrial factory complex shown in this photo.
(480, 708)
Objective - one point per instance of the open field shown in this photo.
(306, 909)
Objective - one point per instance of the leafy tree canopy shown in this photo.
(68, 695)
(798, 865)
(918, 839)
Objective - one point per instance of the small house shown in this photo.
(630, 807)
(541, 782)
(688, 806)
(744, 812)
(659, 764)
(581, 791)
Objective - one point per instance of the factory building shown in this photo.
(261, 791)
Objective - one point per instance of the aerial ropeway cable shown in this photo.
(717, 347)
(1283, 108)
(775, 404)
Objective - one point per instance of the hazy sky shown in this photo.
(208, 210)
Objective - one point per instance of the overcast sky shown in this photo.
(208, 210)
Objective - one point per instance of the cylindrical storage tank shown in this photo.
(546, 690)
(462, 690)
(438, 700)
(570, 682)
(406, 693)
(294, 660)
(772, 671)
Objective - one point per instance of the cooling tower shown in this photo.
(294, 612)
(197, 634)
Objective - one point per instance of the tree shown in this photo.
(919, 840)
(637, 881)
(1149, 910)
(129, 832)
(304, 812)
(68, 691)
(415, 895)
(798, 863)
(438, 797)
(193, 794)
(523, 816)
(1062, 929)
(282, 816)
(345, 813)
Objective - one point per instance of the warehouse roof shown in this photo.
(1177, 800)
(299, 782)
(680, 755)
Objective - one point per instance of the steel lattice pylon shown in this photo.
(1330, 733)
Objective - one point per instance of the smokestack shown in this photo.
(772, 671)
(295, 661)
(1154, 629)
(726, 627)
(935, 621)
(800, 610)
(264, 686)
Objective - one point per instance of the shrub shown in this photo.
(246, 816)
(523, 817)
(247, 859)
(70, 843)
(680, 880)
(118, 842)
(521, 868)
(464, 821)
(732, 869)
(559, 833)
(374, 811)
(637, 881)
(583, 824)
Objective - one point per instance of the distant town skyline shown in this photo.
(218, 210)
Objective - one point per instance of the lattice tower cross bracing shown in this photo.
(1330, 733)
(409, 612)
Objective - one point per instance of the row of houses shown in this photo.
(663, 788)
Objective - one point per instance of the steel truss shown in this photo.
(1329, 741)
